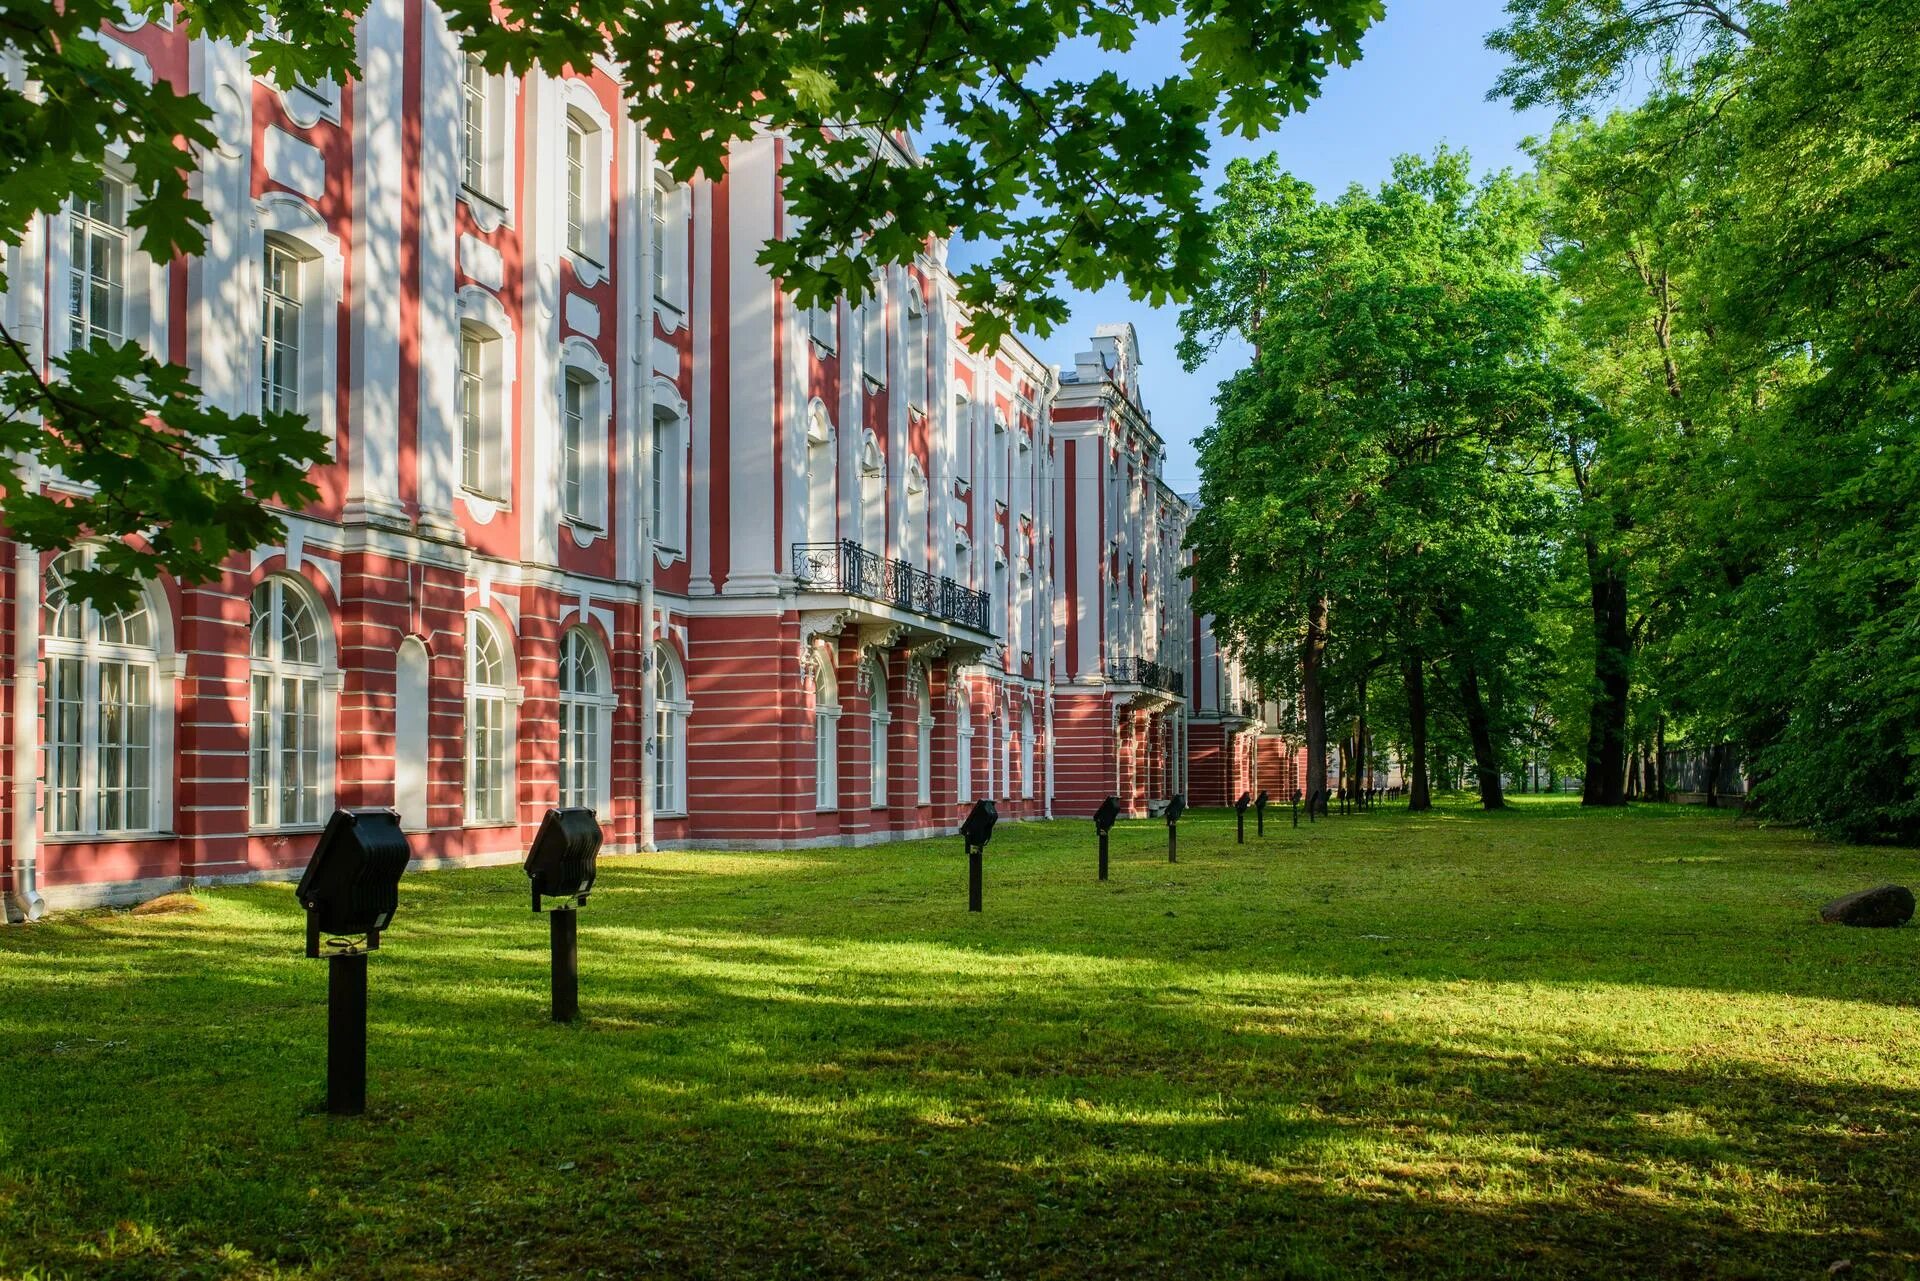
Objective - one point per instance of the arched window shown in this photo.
(916, 340)
(670, 711)
(1026, 751)
(288, 754)
(586, 708)
(490, 734)
(105, 746)
(923, 706)
(826, 729)
(879, 721)
(963, 734)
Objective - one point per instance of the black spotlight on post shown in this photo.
(351, 889)
(1296, 808)
(1103, 820)
(976, 832)
(1260, 813)
(561, 864)
(1175, 808)
(1240, 818)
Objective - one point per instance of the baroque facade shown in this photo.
(609, 520)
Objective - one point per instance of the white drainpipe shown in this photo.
(25, 903)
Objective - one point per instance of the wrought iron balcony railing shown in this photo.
(1249, 709)
(1144, 671)
(849, 568)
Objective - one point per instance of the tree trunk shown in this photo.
(1659, 786)
(1313, 697)
(1607, 716)
(1716, 756)
(1419, 796)
(1486, 761)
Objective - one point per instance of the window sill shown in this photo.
(96, 838)
(660, 814)
(874, 385)
(298, 829)
(489, 824)
(588, 271)
(499, 501)
(488, 213)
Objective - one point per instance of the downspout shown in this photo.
(639, 269)
(1047, 533)
(25, 903)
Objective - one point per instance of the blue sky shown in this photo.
(1422, 80)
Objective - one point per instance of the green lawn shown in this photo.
(1537, 1043)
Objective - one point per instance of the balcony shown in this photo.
(1249, 710)
(1146, 672)
(848, 568)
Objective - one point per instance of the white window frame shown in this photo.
(923, 745)
(581, 367)
(963, 740)
(143, 287)
(585, 241)
(671, 712)
(491, 202)
(1026, 750)
(667, 473)
(879, 731)
(668, 205)
(495, 698)
(586, 722)
(482, 316)
(823, 327)
(916, 344)
(872, 320)
(291, 223)
(826, 729)
(88, 657)
(278, 670)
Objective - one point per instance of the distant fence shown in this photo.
(1688, 769)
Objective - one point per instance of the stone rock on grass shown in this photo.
(1879, 908)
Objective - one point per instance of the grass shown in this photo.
(1539, 1043)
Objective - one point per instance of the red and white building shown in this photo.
(609, 521)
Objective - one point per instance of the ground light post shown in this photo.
(350, 889)
(1240, 818)
(561, 865)
(1260, 813)
(976, 832)
(1175, 808)
(1103, 821)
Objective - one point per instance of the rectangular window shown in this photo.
(280, 331)
(873, 340)
(576, 187)
(662, 282)
(579, 753)
(826, 761)
(474, 168)
(573, 449)
(821, 325)
(487, 759)
(475, 473)
(125, 748)
(65, 748)
(666, 792)
(657, 507)
(97, 268)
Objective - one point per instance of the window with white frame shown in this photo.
(476, 92)
(826, 729)
(670, 711)
(879, 722)
(583, 489)
(667, 210)
(98, 265)
(586, 712)
(477, 464)
(104, 721)
(1026, 751)
(873, 337)
(963, 736)
(287, 754)
(586, 189)
(923, 706)
(1006, 756)
(667, 477)
(282, 328)
(490, 733)
(823, 325)
(916, 340)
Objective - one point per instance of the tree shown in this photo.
(1074, 181)
(1368, 487)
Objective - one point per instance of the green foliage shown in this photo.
(1076, 183)
(1537, 1044)
(1383, 450)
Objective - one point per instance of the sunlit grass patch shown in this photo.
(1538, 1043)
